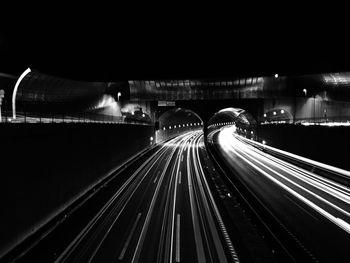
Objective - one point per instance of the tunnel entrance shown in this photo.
(177, 121)
(245, 123)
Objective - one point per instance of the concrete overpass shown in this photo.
(317, 97)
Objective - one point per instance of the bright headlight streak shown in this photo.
(295, 184)
(304, 159)
(183, 145)
(225, 137)
(298, 173)
(339, 222)
(325, 185)
(197, 164)
(312, 176)
(313, 183)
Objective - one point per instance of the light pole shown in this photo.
(119, 94)
(2, 94)
(305, 92)
(314, 109)
(28, 70)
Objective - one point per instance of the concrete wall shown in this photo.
(309, 108)
(45, 167)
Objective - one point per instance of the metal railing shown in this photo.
(311, 120)
(25, 117)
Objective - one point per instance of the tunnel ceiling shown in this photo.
(236, 115)
(178, 116)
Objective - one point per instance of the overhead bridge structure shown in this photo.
(174, 170)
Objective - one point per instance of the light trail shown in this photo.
(332, 199)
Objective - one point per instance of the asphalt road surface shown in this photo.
(163, 212)
(314, 210)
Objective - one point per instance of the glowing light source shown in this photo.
(337, 78)
(305, 91)
(282, 111)
(265, 115)
(15, 91)
(276, 75)
(274, 113)
(263, 142)
(143, 115)
(311, 179)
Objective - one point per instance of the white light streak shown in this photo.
(270, 167)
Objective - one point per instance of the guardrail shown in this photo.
(22, 117)
(305, 121)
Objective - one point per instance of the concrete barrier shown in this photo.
(45, 167)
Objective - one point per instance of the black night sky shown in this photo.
(171, 43)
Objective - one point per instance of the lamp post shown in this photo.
(2, 94)
(305, 92)
(314, 109)
(119, 94)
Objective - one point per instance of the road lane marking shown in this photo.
(195, 222)
(326, 214)
(309, 178)
(121, 256)
(155, 179)
(139, 245)
(69, 250)
(174, 204)
(245, 156)
(180, 177)
(177, 255)
(302, 208)
(215, 235)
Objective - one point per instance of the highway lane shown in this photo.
(165, 216)
(164, 212)
(314, 211)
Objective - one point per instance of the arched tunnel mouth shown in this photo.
(244, 122)
(177, 121)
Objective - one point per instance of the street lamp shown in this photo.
(2, 94)
(305, 91)
(276, 75)
(119, 94)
